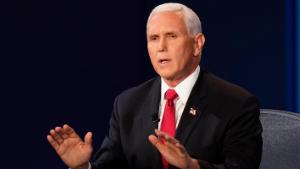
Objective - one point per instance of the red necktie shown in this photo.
(168, 124)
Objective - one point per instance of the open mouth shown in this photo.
(164, 61)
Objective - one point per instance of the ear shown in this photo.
(199, 41)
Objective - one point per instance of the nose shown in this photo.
(162, 46)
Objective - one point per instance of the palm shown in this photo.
(74, 152)
(69, 146)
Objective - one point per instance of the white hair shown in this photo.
(191, 19)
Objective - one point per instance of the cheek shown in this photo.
(152, 57)
(179, 54)
(151, 49)
(150, 53)
(183, 56)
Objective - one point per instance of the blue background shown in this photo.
(64, 61)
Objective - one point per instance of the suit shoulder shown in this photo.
(228, 98)
(220, 86)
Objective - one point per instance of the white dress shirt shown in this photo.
(183, 90)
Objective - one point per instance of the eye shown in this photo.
(172, 35)
(153, 37)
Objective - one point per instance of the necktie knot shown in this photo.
(171, 94)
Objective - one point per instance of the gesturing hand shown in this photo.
(71, 149)
(173, 151)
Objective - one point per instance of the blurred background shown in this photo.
(64, 61)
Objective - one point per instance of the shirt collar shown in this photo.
(184, 88)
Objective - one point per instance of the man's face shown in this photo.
(173, 52)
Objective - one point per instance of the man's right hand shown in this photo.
(74, 152)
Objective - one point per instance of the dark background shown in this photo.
(64, 61)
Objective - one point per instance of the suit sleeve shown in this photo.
(111, 155)
(242, 145)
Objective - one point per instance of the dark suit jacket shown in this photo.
(225, 132)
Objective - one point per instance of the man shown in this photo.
(203, 121)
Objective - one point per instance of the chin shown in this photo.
(167, 76)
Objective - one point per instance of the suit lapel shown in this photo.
(151, 106)
(192, 112)
(150, 110)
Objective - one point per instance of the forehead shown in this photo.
(166, 21)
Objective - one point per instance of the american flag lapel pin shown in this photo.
(193, 111)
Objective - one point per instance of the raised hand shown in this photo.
(74, 152)
(173, 151)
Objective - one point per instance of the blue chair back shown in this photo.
(281, 139)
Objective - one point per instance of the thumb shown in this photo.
(88, 138)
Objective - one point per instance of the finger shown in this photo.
(88, 138)
(172, 147)
(56, 137)
(52, 142)
(166, 149)
(70, 131)
(161, 147)
(174, 144)
(171, 142)
(60, 131)
(153, 139)
(161, 134)
(166, 137)
(181, 148)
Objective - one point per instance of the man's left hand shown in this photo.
(173, 151)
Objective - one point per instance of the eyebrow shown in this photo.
(166, 33)
(171, 33)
